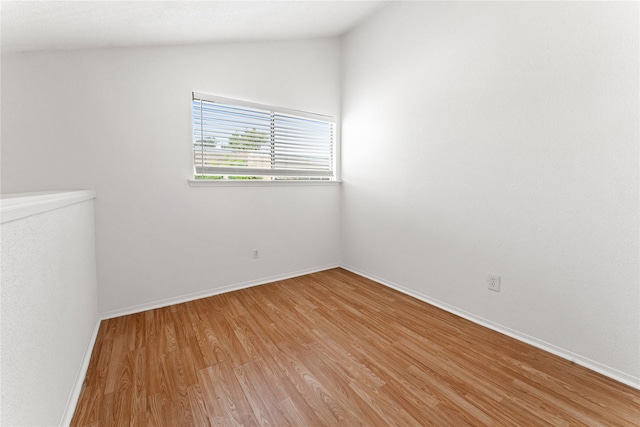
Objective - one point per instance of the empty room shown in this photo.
(310, 213)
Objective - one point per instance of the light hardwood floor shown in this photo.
(332, 348)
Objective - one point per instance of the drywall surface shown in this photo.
(501, 137)
(49, 311)
(119, 121)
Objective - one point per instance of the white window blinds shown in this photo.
(233, 137)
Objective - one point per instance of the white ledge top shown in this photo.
(15, 206)
(258, 183)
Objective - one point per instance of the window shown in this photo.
(241, 140)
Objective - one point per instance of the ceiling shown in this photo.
(53, 25)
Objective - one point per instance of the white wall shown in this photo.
(119, 121)
(501, 137)
(49, 311)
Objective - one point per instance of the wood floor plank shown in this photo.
(329, 349)
(261, 395)
(198, 407)
(139, 391)
(223, 396)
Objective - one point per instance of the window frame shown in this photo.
(276, 175)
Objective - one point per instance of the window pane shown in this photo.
(242, 142)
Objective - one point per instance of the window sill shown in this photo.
(258, 183)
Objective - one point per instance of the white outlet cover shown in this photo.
(493, 282)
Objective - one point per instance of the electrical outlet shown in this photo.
(493, 282)
(256, 254)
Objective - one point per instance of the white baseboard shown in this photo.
(210, 292)
(605, 370)
(80, 376)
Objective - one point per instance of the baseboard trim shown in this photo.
(543, 345)
(210, 292)
(72, 402)
(598, 367)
